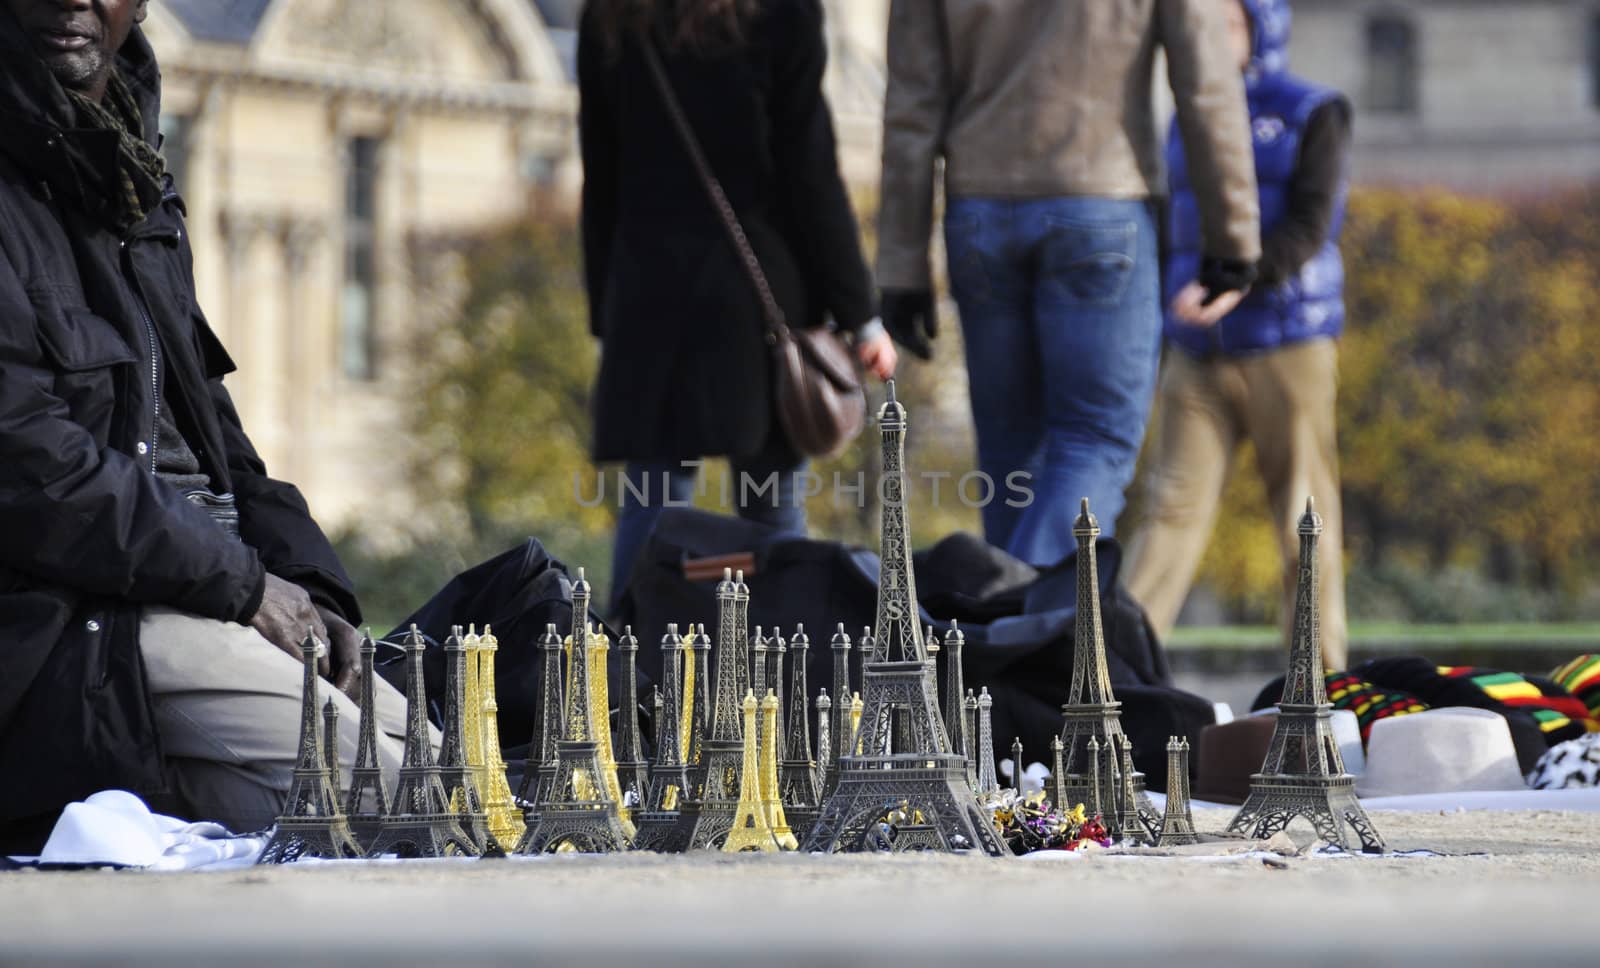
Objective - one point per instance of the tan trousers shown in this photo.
(1283, 403)
(227, 705)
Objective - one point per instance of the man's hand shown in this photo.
(909, 316)
(878, 355)
(286, 616)
(344, 643)
(1191, 306)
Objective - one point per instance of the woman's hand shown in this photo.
(877, 354)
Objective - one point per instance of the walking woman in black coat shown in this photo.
(685, 372)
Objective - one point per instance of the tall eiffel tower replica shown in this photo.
(1303, 774)
(709, 812)
(1092, 710)
(924, 778)
(539, 769)
(456, 768)
(311, 825)
(366, 801)
(419, 822)
(579, 813)
(632, 775)
(505, 821)
(797, 773)
(657, 816)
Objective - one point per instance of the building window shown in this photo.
(177, 130)
(1392, 64)
(357, 343)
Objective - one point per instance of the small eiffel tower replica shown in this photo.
(824, 710)
(455, 766)
(750, 830)
(1092, 709)
(696, 693)
(312, 824)
(955, 690)
(1303, 774)
(579, 814)
(1177, 821)
(1133, 826)
(330, 748)
(969, 713)
(771, 801)
(539, 770)
(898, 680)
(987, 781)
(840, 731)
(657, 816)
(797, 776)
(419, 822)
(505, 821)
(597, 645)
(709, 813)
(631, 772)
(366, 801)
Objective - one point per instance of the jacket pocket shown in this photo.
(1091, 261)
(92, 366)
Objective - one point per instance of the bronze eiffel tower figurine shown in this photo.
(366, 801)
(580, 813)
(1092, 710)
(311, 824)
(840, 731)
(632, 776)
(1303, 774)
(539, 769)
(455, 766)
(922, 774)
(420, 822)
(657, 817)
(797, 780)
(330, 748)
(709, 812)
(955, 690)
(1177, 821)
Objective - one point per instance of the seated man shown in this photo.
(154, 581)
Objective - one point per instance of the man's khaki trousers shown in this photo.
(1282, 401)
(227, 705)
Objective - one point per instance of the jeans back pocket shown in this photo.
(1091, 261)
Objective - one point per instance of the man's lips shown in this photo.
(65, 41)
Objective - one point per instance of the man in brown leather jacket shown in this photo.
(1043, 115)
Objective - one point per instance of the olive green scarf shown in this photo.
(139, 165)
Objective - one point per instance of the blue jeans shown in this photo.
(1061, 316)
(774, 496)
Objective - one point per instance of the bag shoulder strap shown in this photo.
(777, 326)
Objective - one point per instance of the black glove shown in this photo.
(1225, 275)
(909, 317)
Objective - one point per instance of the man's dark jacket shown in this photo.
(96, 332)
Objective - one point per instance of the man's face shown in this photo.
(1240, 33)
(78, 39)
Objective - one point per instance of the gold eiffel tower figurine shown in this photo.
(600, 724)
(770, 800)
(504, 819)
(750, 831)
(472, 718)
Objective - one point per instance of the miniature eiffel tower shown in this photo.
(657, 817)
(697, 695)
(366, 801)
(771, 802)
(311, 824)
(897, 679)
(330, 748)
(758, 678)
(1016, 764)
(987, 781)
(472, 708)
(419, 822)
(580, 813)
(598, 644)
(505, 821)
(954, 690)
(1134, 827)
(824, 707)
(777, 651)
(1303, 774)
(709, 813)
(1177, 821)
(631, 773)
(797, 779)
(840, 731)
(539, 770)
(1092, 709)
(750, 830)
(455, 768)
(969, 715)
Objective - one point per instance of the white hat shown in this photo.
(1440, 751)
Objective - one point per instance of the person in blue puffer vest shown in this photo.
(1268, 371)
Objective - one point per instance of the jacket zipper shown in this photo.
(155, 355)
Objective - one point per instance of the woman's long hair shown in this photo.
(702, 26)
